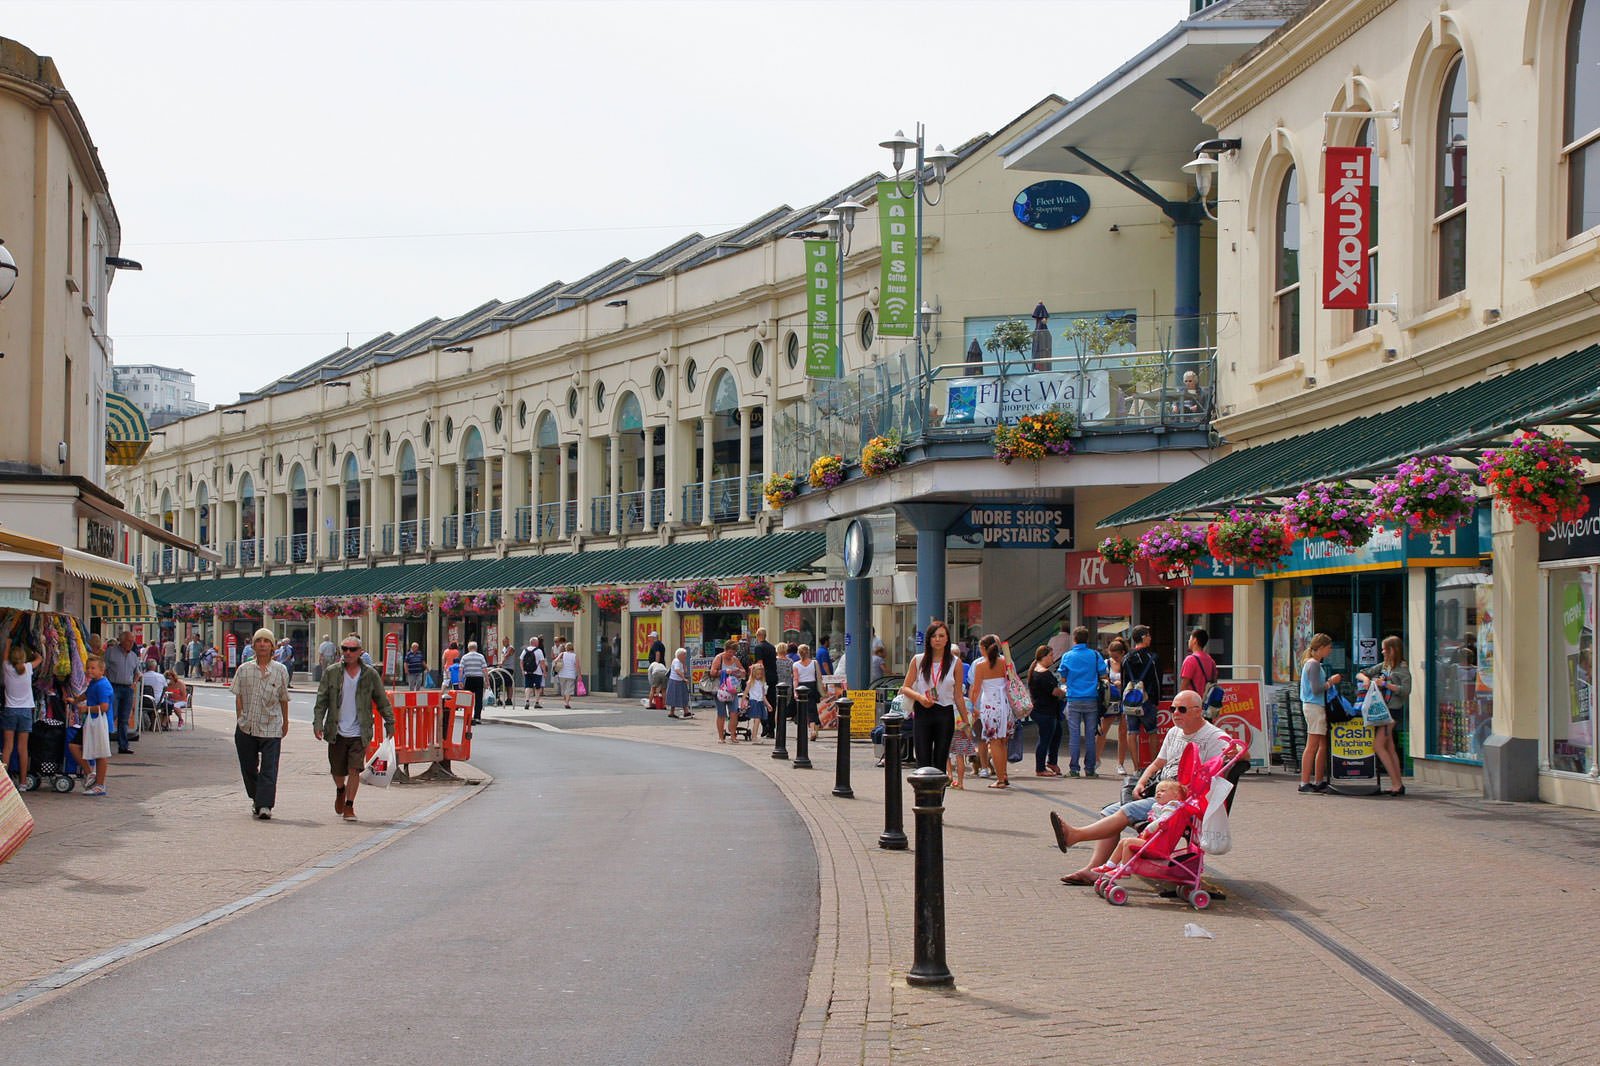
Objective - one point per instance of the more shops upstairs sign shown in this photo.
(1579, 539)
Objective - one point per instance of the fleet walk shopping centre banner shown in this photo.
(993, 401)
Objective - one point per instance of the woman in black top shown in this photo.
(1044, 685)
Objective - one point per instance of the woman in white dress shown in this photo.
(994, 706)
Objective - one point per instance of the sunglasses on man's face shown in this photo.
(356, 650)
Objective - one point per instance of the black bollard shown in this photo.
(893, 837)
(780, 744)
(841, 765)
(928, 967)
(802, 731)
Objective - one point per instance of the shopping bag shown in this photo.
(1374, 708)
(582, 689)
(380, 768)
(97, 736)
(1020, 698)
(15, 822)
(1216, 838)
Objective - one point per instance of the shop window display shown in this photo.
(1570, 640)
(1461, 708)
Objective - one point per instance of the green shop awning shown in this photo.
(1562, 392)
(117, 603)
(127, 432)
(777, 553)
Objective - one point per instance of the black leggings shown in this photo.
(931, 731)
(805, 697)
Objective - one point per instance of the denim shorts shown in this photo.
(16, 719)
(1136, 811)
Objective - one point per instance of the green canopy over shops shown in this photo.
(1563, 392)
(778, 553)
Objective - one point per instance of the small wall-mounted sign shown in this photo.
(39, 590)
(1051, 205)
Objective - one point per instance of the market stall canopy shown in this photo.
(127, 432)
(118, 603)
(1562, 394)
(777, 553)
(73, 561)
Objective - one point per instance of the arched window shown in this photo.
(629, 416)
(202, 514)
(725, 394)
(1581, 128)
(549, 435)
(1286, 268)
(168, 518)
(247, 508)
(1450, 191)
(1367, 137)
(406, 471)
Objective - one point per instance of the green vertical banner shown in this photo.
(897, 285)
(822, 323)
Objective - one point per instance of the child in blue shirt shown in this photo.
(96, 703)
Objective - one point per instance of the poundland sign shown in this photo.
(1018, 526)
(1579, 539)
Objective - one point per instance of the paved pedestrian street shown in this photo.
(1433, 928)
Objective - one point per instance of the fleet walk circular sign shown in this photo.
(1051, 205)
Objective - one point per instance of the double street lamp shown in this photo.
(928, 172)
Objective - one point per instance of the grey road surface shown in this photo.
(603, 902)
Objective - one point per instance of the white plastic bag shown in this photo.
(1215, 836)
(97, 736)
(380, 768)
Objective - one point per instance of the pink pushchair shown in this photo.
(1173, 854)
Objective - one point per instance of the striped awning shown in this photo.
(116, 603)
(127, 432)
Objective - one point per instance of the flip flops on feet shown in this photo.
(338, 799)
(1062, 831)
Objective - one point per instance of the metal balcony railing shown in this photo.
(547, 523)
(600, 514)
(630, 511)
(570, 519)
(693, 503)
(522, 525)
(658, 506)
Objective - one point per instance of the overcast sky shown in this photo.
(293, 173)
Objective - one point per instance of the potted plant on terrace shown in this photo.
(1173, 547)
(827, 471)
(780, 489)
(1034, 437)
(882, 454)
(756, 590)
(485, 602)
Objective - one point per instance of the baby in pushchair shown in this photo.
(1168, 850)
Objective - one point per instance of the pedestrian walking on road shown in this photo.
(121, 669)
(678, 686)
(807, 687)
(474, 669)
(196, 652)
(995, 717)
(567, 673)
(934, 683)
(261, 719)
(528, 661)
(327, 655)
(343, 717)
(416, 667)
(729, 674)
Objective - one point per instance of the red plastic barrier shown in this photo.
(458, 741)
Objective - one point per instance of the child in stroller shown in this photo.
(1168, 850)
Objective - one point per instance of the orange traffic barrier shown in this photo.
(428, 727)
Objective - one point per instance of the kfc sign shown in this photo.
(1346, 227)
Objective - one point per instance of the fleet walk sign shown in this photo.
(1017, 526)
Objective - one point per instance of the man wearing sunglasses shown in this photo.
(343, 717)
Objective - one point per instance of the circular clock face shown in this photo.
(857, 549)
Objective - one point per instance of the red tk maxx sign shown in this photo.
(1346, 228)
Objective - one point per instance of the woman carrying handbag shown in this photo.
(991, 678)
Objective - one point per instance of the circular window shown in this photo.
(758, 359)
(690, 370)
(427, 432)
(659, 383)
(449, 429)
(791, 349)
(868, 331)
(499, 418)
(572, 403)
(388, 442)
(366, 446)
(600, 397)
(522, 414)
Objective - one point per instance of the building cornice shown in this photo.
(1284, 56)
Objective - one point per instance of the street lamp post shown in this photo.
(939, 160)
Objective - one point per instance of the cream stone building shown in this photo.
(61, 533)
(1484, 118)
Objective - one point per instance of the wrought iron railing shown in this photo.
(630, 511)
(600, 514)
(547, 521)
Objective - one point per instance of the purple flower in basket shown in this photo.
(452, 603)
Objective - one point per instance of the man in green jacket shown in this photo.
(343, 717)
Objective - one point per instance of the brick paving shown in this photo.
(174, 840)
(1340, 907)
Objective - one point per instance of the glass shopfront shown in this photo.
(1569, 638)
(1356, 610)
(1461, 663)
(1112, 602)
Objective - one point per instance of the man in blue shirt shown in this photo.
(1081, 669)
(824, 657)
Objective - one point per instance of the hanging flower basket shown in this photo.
(1173, 547)
(568, 600)
(1119, 550)
(655, 594)
(354, 607)
(1034, 437)
(1332, 511)
(484, 603)
(827, 471)
(188, 612)
(295, 610)
(1250, 539)
(246, 609)
(611, 601)
(882, 454)
(452, 603)
(703, 594)
(794, 589)
(1426, 493)
(756, 590)
(527, 600)
(1537, 478)
(326, 607)
(780, 489)
(414, 606)
(385, 606)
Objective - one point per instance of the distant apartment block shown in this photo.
(165, 394)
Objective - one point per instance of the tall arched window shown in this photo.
(247, 509)
(1450, 191)
(1286, 269)
(1367, 137)
(1581, 128)
(202, 515)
